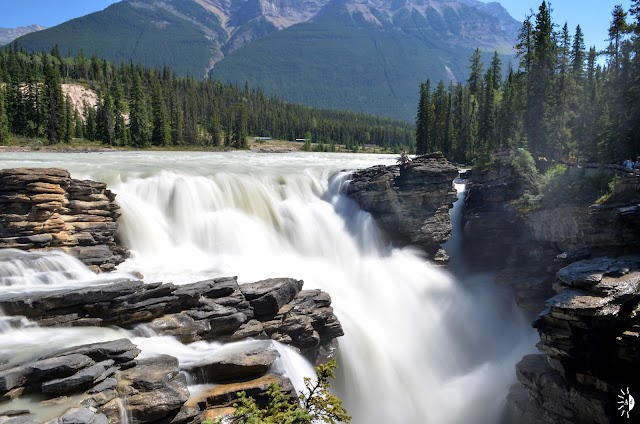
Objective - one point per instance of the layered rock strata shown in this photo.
(590, 337)
(411, 202)
(99, 382)
(218, 309)
(530, 246)
(44, 208)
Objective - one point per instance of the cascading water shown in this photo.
(419, 345)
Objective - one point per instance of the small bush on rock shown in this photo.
(315, 405)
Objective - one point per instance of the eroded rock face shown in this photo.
(410, 203)
(44, 208)
(590, 334)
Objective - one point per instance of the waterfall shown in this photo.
(420, 347)
(39, 271)
(415, 342)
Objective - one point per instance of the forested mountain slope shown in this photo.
(327, 53)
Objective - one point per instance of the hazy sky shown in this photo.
(593, 16)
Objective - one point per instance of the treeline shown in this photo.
(139, 107)
(559, 103)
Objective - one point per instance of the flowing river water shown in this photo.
(422, 345)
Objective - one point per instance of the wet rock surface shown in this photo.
(410, 203)
(44, 208)
(111, 379)
(215, 309)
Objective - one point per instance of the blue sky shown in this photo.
(592, 15)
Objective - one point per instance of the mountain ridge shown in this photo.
(219, 38)
(7, 35)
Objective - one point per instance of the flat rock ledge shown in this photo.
(44, 208)
(410, 203)
(102, 381)
(590, 339)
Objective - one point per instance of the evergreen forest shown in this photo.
(141, 107)
(559, 103)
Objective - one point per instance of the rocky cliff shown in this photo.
(590, 334)
(44, 208)
(409, 202)
(529, 246)
(583, 259)
(93, 379)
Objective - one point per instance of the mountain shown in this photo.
(7, 35)
(367, 57)
(361, 55)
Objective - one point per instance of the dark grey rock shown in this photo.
(79, 381)
(248, 360)
(154, 389)
(409, 203)
(121, 350)
(268, 296)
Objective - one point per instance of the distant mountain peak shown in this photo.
(7, 35)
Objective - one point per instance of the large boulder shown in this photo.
(236, 362)
(154, 389)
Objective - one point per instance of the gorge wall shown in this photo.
(411, 202)
(44, 208)
(577, 267)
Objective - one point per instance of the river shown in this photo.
(421, 344)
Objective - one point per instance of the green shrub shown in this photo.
(561, 186)
(315, 405)
(525, 169)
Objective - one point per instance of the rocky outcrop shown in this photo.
(105, 380)
(529, 246)
(44, 208)
(102, 382)
(411, 202)
(218, 309)
(590, 334)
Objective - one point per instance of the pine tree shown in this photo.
(440, 110)
(240, 128)
(617, 29)
(139, 124)
(4, 118)
(161, 135)
(562, 93)
(475, 76)
(578, 55)
(90, 132)
(54, 101)
(423, 119)
(69, 123)
(177, 121)
(78, 124)
(119, 110)
(540, 82)
(214, 129)
(105, 120)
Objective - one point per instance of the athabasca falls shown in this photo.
(422, 344)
